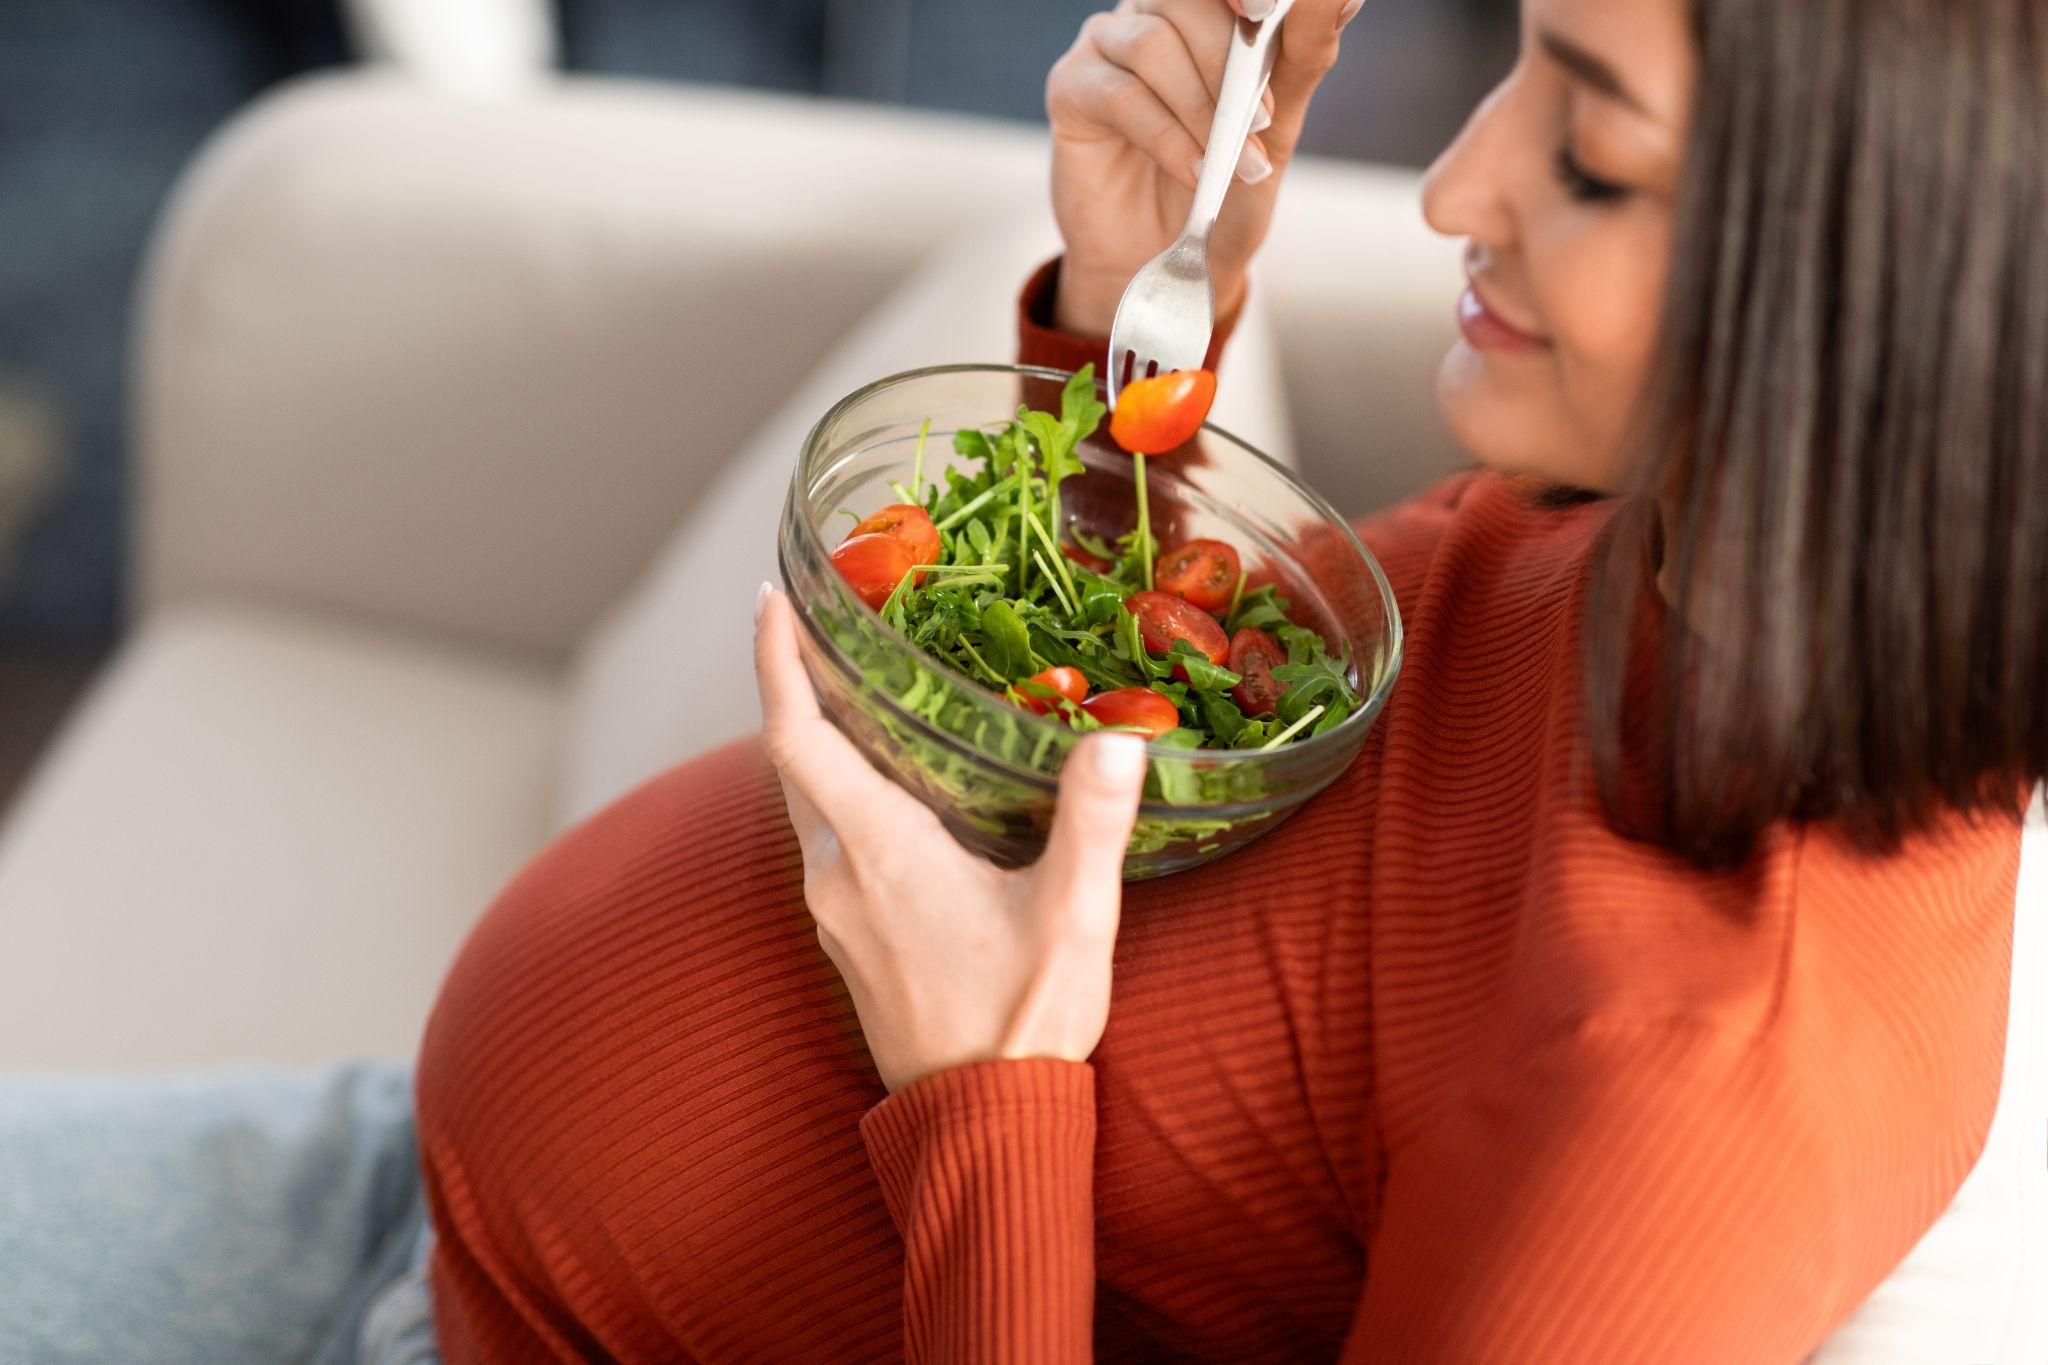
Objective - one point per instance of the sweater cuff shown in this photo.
(989, 1173)
(1041, 342)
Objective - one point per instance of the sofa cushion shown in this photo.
(667, 674)
(261, 840)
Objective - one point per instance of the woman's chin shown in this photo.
(1508, 428)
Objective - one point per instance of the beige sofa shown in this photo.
(461, 430)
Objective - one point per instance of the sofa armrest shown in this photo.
(461, 366)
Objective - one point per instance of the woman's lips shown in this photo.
(1488, 331)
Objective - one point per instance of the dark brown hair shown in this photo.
(1849, 433)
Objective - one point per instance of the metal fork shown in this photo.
(1168, 312)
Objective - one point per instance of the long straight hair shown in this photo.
(1849, 432)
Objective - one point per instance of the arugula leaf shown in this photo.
(970, 444)
(1130, 646)
(1055, 443)
(1203, 676)
(1081, 412)
(1008, 643)
(1173, 781)
(1100, 599)
(1262, 607)
(1221, 716)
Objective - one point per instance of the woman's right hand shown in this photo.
(1130, 105)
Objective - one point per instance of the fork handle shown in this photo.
(1254, 47)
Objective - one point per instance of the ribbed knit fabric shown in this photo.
(1442, 1070)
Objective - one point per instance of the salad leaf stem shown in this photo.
(1070, 596)
(998, 679)
(970, 508)
(1236, 596)
(1024, 515)
(1144, 519)
(1067, 603)
(962, 568)
(895, 598)
(917, 462)
(1291, 731)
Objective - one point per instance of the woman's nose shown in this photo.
(1464, 193)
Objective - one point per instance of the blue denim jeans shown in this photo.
(243, 1216)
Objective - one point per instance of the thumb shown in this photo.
(1098, 805)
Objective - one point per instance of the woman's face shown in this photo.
(1563, 183)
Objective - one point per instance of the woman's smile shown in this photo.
(1487, 330)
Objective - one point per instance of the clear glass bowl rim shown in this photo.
(1352, 730)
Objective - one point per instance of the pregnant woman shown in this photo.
(1638, 996)
(1640, 993)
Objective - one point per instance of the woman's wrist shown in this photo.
(1085, 303)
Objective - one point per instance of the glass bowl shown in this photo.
(988, 768)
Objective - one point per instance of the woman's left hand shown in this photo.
(949, 959)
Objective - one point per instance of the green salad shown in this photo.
(980, 571)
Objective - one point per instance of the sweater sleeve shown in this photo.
(1630, 1192)
(988, 1171)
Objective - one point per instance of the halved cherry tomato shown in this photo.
(1070, 683)
(1254, 655)
(1093, 563)
(872, 566)
(1164, 618)
(1202, 571)
(1164, 412)
(1138, 708)
(910, 526)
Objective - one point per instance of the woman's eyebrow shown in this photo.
(1590, 69)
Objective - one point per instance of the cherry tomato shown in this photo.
(1164, 618)
(1254, 654)
(1138, 708)
(1203, 572)
(1093, 563)
(1070, 683)
(1162, 413)
(910, 526)
(872, 566)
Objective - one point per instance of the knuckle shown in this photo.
(1151, 39)
(1126, 96)
(779, 744)
(828, 893)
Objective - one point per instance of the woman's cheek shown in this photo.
(1606, 303)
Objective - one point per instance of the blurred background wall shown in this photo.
(102, 102)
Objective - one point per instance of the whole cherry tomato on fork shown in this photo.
(1069, 683)
(909, 526)
(1203, 572)
(872, 566)
(1137, 708)
(1164, 412)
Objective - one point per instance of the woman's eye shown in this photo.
(1584, 187)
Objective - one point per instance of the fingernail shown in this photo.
(1256, 10)
(1262, 120)
(1253, 167)
(1119, 759)
(761, 597)
(1349, 12)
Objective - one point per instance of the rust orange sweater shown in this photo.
(1441, 1071)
